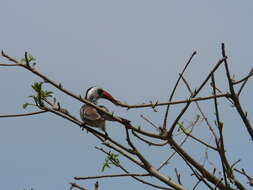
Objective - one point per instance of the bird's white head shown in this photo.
(94, 93)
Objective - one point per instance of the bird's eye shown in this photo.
(100, 91)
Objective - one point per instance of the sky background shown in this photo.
(135, 50)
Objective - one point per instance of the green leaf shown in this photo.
(49, 93)
(30, 58)
(105, 165)
(181, 126)
(111, 159)
(37, 86)
(25, 105)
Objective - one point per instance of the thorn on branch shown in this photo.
(9, 58)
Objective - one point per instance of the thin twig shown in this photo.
(181, 144)
(22, 114)
(198, 176)
(200, 110)
(195, 94)
(189, 100)
(147, 141)
(74, 185)
(134, 177)
(9, 58)
(111, 176)
(235, 97)
(220, 146)
(200, 141)
(243, 172)
(220, 91)
(178, 176)
(3, 64)
(150, 122)
(148, 166)
(213, 179)
(244, 78)
(174, 90)
(245, 81)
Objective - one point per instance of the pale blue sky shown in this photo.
(134, 49)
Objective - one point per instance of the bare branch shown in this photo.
(243, 172)
(74, 185)
(200, 110)
(147, 166)
(134, 177)
(147, 141)
(150, 122)
(22, 114)
(235, 97)
(112, 175)
(174, 90)
(200, 141)
(221, 149)
(7, 65)
(195, 94)
(200, 168)
(227, 95)
(9, 58)
(178, 176)
(174, 153)
(245, 80)
(196, 174)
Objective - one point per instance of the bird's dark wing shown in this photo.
(106, 117)
(89, 113)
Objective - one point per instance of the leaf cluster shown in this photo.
(39, 96)
(111, 159)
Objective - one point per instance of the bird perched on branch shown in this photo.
(90, 115)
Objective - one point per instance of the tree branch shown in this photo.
(200, 168)
(112, 175)
(74, 185)
(174, 90)
(195, 94)
(22, 114)
(235, 97)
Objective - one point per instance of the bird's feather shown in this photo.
(90, 113)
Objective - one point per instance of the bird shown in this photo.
(90, 115)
